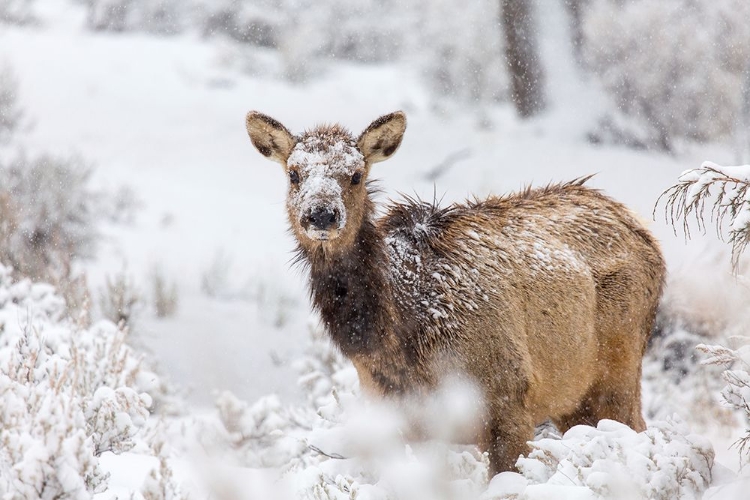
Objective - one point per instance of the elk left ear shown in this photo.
(382, 137)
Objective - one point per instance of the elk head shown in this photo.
(327, 169)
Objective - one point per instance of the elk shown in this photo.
(544, 298)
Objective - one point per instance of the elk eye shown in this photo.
(356, 178)
(293, 177)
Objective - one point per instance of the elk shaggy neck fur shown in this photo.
(545, 298)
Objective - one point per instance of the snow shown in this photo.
(665, 461)
(164, 116)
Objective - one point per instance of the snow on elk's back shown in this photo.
(321, 158)
(449, 280)
(438, 286)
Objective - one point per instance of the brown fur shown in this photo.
(545, 298)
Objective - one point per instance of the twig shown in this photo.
(317, 450)
(435, 172)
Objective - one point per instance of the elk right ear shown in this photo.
(382, 137)
(269, 137)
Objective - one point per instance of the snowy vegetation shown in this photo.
(701, 50)
(338, 446)
(730, 189)
(10, 114)
(48, 215)
(87, 411)
(736, 394)
(16, 11)
(70, 394)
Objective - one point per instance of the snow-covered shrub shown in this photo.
(108, 15)
(17, 11)
(215, 280)
(69, 394)
(458, 48)
(121, 207)
(163, 17)
(324, 371)
(736, 393)
(120, 300)
(731, 193)
(164, 295)
(257, 23)
(362, 30)
(160, 483)
(47, 216)
(664, 462)
(340, 445)
(10, 114)
(674, 381)
(700, 48)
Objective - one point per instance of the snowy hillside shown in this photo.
(246, 400)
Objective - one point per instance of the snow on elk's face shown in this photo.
(326, 184)
(327, 169)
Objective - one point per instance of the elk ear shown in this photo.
(269, 137)
(382, 137)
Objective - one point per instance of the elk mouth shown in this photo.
(321, 234)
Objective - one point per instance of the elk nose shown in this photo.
(323, 218)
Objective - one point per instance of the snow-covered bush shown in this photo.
(215, 280)
(10, 114)
(458, 48)
(69, 394)
(736, 393)
(730, 189)
(362, 30)
(702, 304)
(257, 23)
(160, 484)
(700, 48)
(675, 381)
(120, 300)
(47, 216)
(16, 11)
(455, 46)
(164, 296)
(664, 462)
(163, 17)
(340, 445)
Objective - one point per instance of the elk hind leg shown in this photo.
(506, 439)
(620, 402)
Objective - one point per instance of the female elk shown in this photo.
(544, 298)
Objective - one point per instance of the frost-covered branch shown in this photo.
(730, 189)
(736, 394)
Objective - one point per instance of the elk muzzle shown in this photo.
(322, 218)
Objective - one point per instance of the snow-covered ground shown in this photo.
(165, 116)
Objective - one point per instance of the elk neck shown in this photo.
(351, 289)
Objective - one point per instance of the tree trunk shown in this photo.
(521, 57)
(575, 11)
